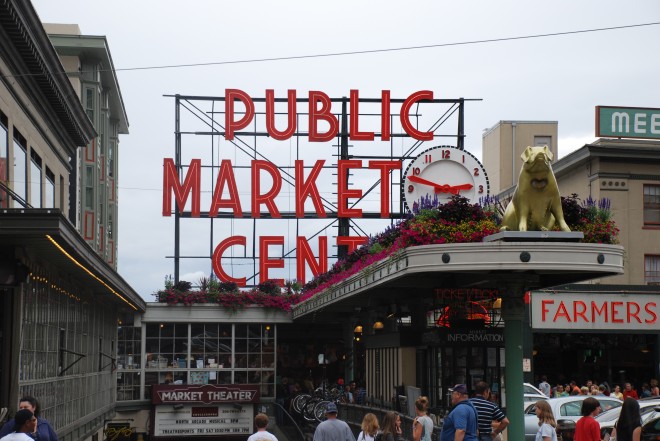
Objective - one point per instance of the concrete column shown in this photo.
(513, 313)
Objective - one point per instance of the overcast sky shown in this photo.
(555, 78)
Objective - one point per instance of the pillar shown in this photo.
(513, 313)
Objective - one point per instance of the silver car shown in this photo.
(563, 408)
(648, 408)
(532, 394)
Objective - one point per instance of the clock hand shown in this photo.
(419, 180)
(440, 188)
(457, 188)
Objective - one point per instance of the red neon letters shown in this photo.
(320, 109)
(602, 311)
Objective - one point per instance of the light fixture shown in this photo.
(497, 304)
(393, 311)
(378, 325)
(358, 329)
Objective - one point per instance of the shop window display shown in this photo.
(195, 353)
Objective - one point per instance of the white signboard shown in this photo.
(189, 420)
(595, 311)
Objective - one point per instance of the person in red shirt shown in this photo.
(628, 391)
(587, 428)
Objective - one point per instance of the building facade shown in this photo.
(88, 64)
(171, 352)
(60, 300)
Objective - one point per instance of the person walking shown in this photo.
(261, 421)
(24, 423)
(587, 428)
(628, 391)
(369, 427)
(422, 424)
(628, 426)
(544, 386)
(461, 423)
(487, 412)
(617, 393)
(391, 427)
(333, 429)
(44, 431)
(547, 424)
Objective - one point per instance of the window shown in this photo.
(540, 141)
(49, 201)
(89, 187)
(89, 103)
(652, 205)
(4, 155)
(652, 270)
(206, 353)
(35, 179)
(20, 166)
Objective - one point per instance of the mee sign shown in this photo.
(627, 122)
(323, 126)
(597, 312)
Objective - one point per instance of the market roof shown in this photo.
(412, 275)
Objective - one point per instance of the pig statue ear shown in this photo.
(526, 154)
(548, 153)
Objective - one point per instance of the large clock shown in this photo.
(445, 171)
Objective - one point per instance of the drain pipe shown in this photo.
(513, 154)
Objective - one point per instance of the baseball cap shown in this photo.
(331, 408)
(460, 388)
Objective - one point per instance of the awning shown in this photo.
(46, 236)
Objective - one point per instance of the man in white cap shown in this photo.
(333, 429)
(461, 423)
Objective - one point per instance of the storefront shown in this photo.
(599, 333)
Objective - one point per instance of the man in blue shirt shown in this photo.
(461, 423)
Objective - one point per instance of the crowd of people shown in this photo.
(587, 428)
(627, 428)
(334, 429)
(592, 388)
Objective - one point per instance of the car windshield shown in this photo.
(529, 389)
(609, 415)
(572, 408)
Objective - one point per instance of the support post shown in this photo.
(513, 313)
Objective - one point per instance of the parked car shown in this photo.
(532, 394)
(566, 410)
(651, 427)
(648, 408)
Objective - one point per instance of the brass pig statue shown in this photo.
(536, 203)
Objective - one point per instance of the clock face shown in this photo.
(445, 171)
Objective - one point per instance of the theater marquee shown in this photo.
(594, 311)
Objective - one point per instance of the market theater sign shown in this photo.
(262, 201)
(206, 394)
(580, 310)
